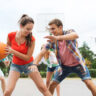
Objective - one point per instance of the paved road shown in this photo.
(69, 87)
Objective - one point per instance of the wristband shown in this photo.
(34, 64)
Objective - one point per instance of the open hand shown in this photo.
(33, 68)
(8, 50)
(51, 38)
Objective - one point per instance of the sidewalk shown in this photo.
(69, 87)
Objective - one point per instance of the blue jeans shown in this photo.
(79, 70)
(51, 69)
(21, 68)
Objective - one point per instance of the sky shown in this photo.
(79, 15)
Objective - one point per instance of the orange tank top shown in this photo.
(20, 48)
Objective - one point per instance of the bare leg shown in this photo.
(52, 86)
(48, 78)
(12, 79)
(36, 77)
(58, 90)
(91, 86)
(3, 83)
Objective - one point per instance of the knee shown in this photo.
(53, 85)
(43, 88)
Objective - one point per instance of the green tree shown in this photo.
(87, 54)
(94, 64)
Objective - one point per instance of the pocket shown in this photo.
(80, 69)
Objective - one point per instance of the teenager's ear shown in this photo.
(21, 26)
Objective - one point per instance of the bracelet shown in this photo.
(34, 64)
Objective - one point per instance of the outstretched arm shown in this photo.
(70, 36)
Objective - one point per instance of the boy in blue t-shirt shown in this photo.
(2, 79)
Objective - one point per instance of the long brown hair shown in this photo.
(25, 19)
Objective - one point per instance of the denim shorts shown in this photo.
(51, 69)
(21, 68)
(79, 70)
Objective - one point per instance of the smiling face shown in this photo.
(56, 27)
(55, 30)
(27, 29)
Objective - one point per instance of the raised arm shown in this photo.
(70, 36)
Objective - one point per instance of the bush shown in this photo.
(23, 75)
(42, 67)
(73, 75)
(94, 64)
(43, 74)
(93, 73)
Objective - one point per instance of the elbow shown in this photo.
(77, 36)
(74, 36)
(27, 58)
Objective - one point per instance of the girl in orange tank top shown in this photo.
(21, 44)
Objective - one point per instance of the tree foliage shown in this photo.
(88, 55)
